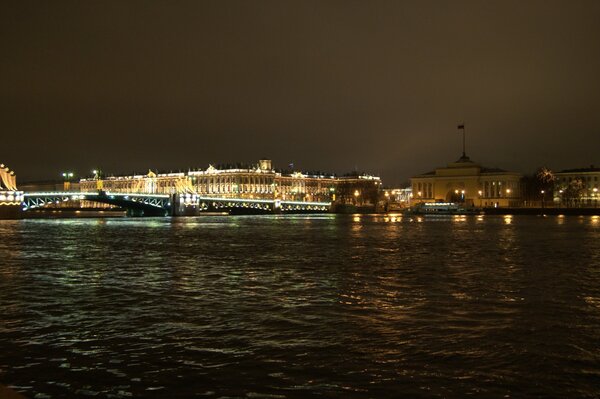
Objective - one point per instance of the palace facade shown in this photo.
(260, 181)
(468, 182)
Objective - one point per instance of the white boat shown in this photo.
(441, 208)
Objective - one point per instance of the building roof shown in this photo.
(493, 170)
(464, 162)
(592, 168)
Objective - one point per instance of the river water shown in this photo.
(301, 306)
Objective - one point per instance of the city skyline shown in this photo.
(335, 86)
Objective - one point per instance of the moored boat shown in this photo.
(441, 208)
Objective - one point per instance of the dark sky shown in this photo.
(329, 85)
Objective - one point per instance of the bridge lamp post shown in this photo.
(67, 176)
(480, 200)
(595, 195)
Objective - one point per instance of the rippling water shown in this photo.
(301, 306)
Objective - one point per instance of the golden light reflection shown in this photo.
(392, 218)
(356, 218)
(595, 219)
(561, 219)
(459, 218)
(480, 218)
(508, 219)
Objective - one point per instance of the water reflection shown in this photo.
(325, 306)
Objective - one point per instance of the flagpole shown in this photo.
(464, 151)
(462, 126)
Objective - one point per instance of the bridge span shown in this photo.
(140, 204)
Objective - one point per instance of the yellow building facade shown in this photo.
(258, 182)
(468, 182)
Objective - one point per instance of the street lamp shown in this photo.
(595, 190)
(560, 195)
(543, 198)
(480, 200)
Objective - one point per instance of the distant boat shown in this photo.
(441, 208)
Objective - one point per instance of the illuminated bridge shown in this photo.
(139, 204)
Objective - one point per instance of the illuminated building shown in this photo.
(256, 182)
(468, 182)
(578, 186)
(10, 196)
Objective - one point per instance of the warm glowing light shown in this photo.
(356, 193)
(480, 192)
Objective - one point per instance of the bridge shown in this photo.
(140, 204)
(138, 195)
(136, 204)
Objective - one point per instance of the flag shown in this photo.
(461, 126)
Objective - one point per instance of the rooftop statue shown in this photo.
(8, 179)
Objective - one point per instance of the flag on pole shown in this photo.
(461, 126)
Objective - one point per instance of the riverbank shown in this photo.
(51, 213)
(542, 211)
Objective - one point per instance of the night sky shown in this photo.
(328, 85)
